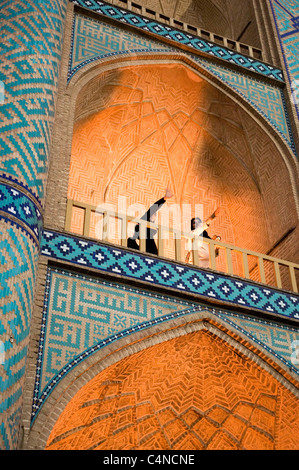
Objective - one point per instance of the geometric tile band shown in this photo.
(181, 37)
(15, 203)
(167, 274)
(30, 51)
(93, 40)
(82, 314)
(286, 14)
(18, 260)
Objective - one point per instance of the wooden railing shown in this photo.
(240, 47)
(232, 260)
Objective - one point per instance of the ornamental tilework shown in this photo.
(281, 341)
(93, 39)
(180, 37)
(15, 203)
(82, 314)
(30, 50)
(208, 285)
(286, 17)
(268, 100)
(18, 259)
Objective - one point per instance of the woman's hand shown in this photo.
(168, 193)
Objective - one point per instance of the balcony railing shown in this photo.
(237, 46)
(94, 222)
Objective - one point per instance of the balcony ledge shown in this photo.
(180, 279)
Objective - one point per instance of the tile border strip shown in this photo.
(208, 285)
(181, 38)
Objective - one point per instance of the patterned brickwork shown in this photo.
(94, 40)
(277, 339)
(189, 393)
(15, 203)
(208, 285)
(286, 14)
(30, 49)
(267, 99)
(83, 314)
(19, 252)
(165, 125)
(181, 38)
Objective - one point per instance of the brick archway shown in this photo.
(139, 127)
(194, 391)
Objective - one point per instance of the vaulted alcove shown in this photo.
(139, 128)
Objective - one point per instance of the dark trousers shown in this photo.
(151, 246)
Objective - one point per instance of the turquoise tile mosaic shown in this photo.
(30, 52)
(286, 18)
(279, 340)
(93, 40)
(267, 99)
(83, 314)
(18, 259)
(15, 203)
(31, 39)
(180, 37)
(208, 285)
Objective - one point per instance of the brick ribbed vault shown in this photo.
(140, 127)
(195, 391)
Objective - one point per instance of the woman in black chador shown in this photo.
(150, 216)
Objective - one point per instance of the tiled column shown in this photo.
(30, 49)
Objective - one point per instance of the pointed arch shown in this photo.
(186, 347)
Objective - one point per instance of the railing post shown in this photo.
(277, 275)
(105, 225)
(178, 247)
(245, 265)
(124, 231)
(212, 256)
(293, 279)
(160, 242)
(229, 263)
(195, 256)
(142, 235)
(68, 215)
(86, 226)
(262, 270)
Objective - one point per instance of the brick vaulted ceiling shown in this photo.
(191, 392)
(141, 127)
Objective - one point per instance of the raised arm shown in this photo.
(212, 216)
(157, 205)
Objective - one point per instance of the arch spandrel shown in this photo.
(110, 42)
(64, 370)
(191, 392)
